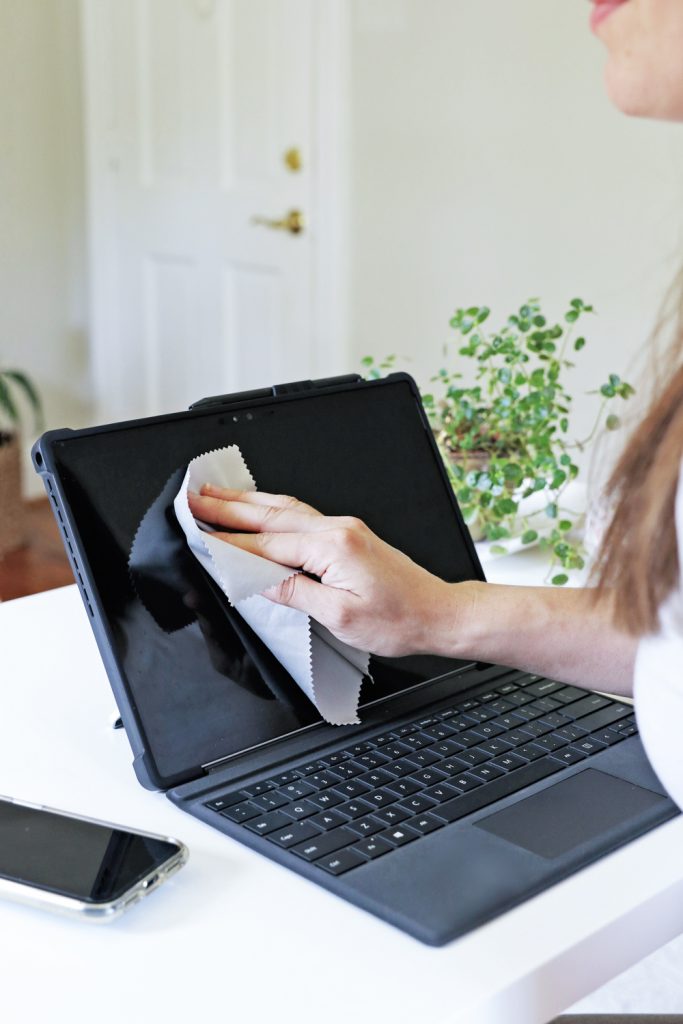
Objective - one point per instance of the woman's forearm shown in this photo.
(563, 634)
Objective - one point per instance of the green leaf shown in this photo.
(560, 579)
(367, 360)
(577, 303)
(607, 390)
(27, 387)
(579, 344)
(564, 524)
(7, 402)
(571, 316)
(612, 422)
(498, 549)
(551, 510)
(529, 536)
(483, 314)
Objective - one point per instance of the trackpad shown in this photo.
(570, 813)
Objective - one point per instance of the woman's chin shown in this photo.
(638, 99)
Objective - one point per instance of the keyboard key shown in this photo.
(378, 777)
(594, 702)
(428, 777)
(423, 723)
(405, 730)
(272, 800)
(331, 759)
(519, 699)
(294, 833)
(480, 714)
(349, 770)
(507, 688)
(604, 717)
(516, 737)
(381, 797)
(464, 783)
(258, 788)
(327, 798)
(417, 741)
(399, 768)
(424, 823)
(466, 804)
(400, 835)
(467, 705)
(555, 720)
(469, 738)
(589, 745)
(373, 760)
(360, 748)
(403, 787)
(527, 712)
(321, 780)
(352, 788)
(327, 842)
(501, 706)
(571, 732)
(242, 812)
(340, 862)
(488, 729)
(391, 815)
(299, 809)
(383, 738)
(630, 730)
(545, 704)
(568, 694)
(550, 743)
(366, 826)
(452, 766)
(308, 769)
(440, 792)
(508, 762)
(445, 713)
(354, 808)
(486, 697)
(284, 779)
(484, 772)
(509, 721)
(417, 803)
(491, 748)
(446, 748)
(421, 759)
(543, 687)
(569, 755)
(535, 729)
(297, 790)
(607, 736)
(327, 819)
(394, 750)
(219, 803)
(372, 848)
(530, 752)
(473, 756)
(266, 823)
(440, 732)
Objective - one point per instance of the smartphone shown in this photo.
(78, 866)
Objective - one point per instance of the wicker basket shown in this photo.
(11, 508)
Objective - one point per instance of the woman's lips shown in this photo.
(602, 9)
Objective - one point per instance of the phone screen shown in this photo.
(82, 859)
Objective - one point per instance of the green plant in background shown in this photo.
(508, 436)
(14, 383)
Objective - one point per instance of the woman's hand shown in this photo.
(370, 595)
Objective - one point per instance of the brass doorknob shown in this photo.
(293, 221)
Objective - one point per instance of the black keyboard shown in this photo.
(358, 803)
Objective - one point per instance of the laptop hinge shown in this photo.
(293, 387)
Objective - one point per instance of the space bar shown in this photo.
(466, 804)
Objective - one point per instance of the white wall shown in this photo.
(42, 219)
(488, 166)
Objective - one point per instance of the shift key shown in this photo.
(328, 842)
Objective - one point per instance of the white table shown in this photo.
(238, 938)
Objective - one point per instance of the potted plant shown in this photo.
(16, 390)
(506, 438)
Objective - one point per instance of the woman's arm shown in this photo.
(375, 598)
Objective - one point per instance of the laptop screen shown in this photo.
(202, 684)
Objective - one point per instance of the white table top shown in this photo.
(234, 936)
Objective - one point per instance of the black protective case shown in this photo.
(44, 461)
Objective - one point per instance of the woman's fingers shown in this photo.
(257, 498)
(241, 515)
(295, 549)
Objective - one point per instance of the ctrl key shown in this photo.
(338, 863)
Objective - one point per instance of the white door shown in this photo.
(192, 108)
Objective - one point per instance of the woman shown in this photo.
(626, 633)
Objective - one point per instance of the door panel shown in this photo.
(191, 107)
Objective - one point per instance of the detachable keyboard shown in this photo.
(365, 800)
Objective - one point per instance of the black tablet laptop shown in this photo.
(465, 789)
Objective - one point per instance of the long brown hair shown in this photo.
(638, 560)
